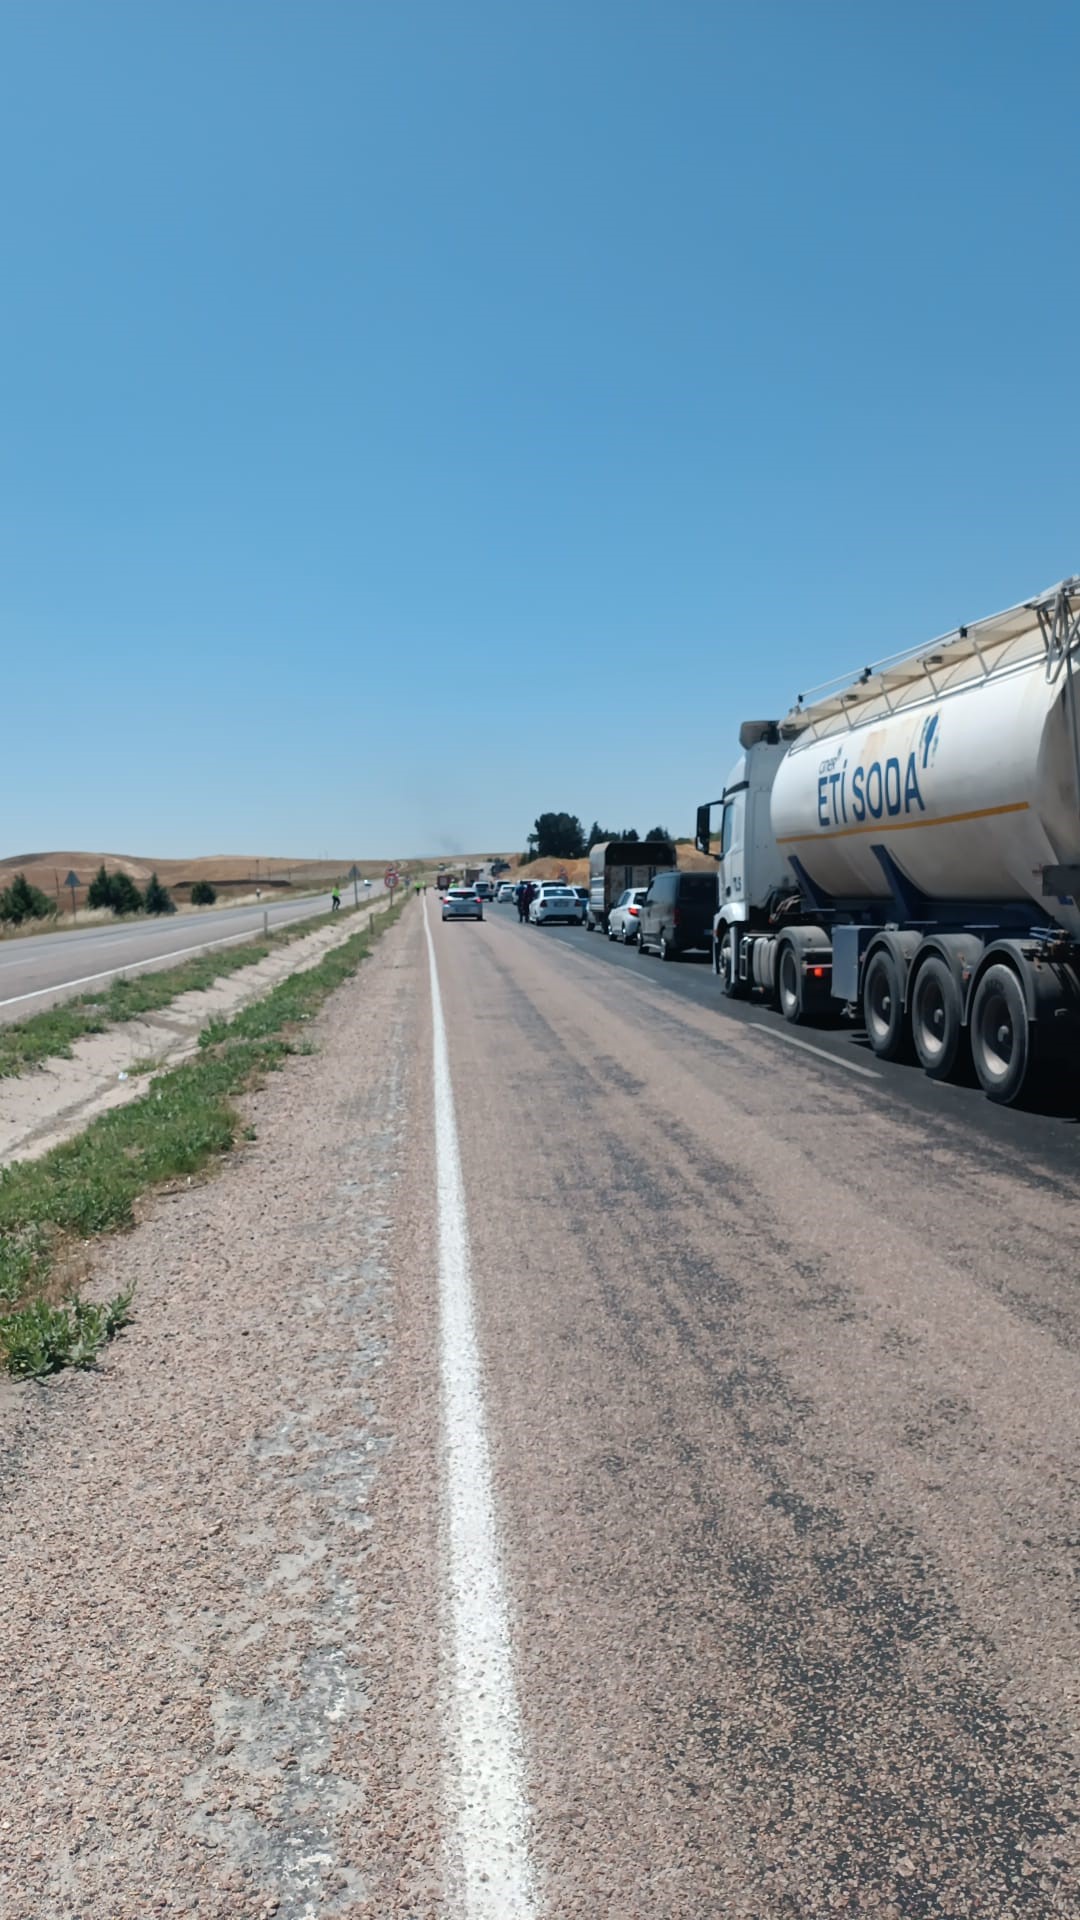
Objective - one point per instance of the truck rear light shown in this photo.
(816, 973)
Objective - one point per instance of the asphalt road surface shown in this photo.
(43, 969)
(596, 1463)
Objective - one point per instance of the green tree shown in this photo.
(20, 901)
(559, 836)
(659, 833)
(203, 894)
(124, 894)
(157, 899)
(99, 893)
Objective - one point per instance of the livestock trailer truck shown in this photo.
(907, 848)
(615, 865)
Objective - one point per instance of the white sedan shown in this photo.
(461, 903)
(625, 914)
(556, 903)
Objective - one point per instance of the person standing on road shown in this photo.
(335, 900)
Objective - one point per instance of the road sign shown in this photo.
(391, 878)
(73, 880)
(354, 872)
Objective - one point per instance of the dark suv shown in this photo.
(677, 913)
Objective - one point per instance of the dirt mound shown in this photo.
(576, 872)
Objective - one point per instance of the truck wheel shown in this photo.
(1000, 1034)
(665, 948)
(724, 966)
(937, 1025)
(883, 1006)
(789, 984)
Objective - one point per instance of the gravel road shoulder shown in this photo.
(193, 1607)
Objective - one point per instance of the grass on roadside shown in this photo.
(89, 1185)
(43, 1339)
(49, 1035)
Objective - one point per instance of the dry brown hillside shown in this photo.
(231, 873)
(235, 874)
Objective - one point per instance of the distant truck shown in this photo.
(443, 880)
(471, 875)
(615, 865)
(907, 848)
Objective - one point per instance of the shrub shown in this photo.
(99, 892)
(20, 901)
(40, 1339)
(203, 894)
(124, 894)
(157, 899)
(115, 890)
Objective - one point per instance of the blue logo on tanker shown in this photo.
(882, 790)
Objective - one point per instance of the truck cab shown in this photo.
(737, 829)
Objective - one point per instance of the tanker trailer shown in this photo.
(907, 846)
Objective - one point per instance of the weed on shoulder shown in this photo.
(41, 1339)
(51, 1035)
(183, 1122)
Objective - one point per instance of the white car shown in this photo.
(506, 890)
(461, 903)
(556, 903)
(625, 914)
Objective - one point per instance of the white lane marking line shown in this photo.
(279, 916)
(834, 1059)
(153, 960)
(487, 1787)
(173, 953)
(143, 966)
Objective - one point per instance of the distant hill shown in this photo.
(231, 873)
(235, 874)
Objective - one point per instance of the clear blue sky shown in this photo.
(419, 415)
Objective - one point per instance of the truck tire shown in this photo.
(937, 1018)
(1000, 1034)
(666, 950)
(789, 983)
(724, 967)
(883, 1006)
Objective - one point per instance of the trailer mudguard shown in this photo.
(1051, 988)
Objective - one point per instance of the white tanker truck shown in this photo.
(907, 847)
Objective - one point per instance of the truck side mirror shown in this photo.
(704, 822)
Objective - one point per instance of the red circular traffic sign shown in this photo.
(391, 877)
